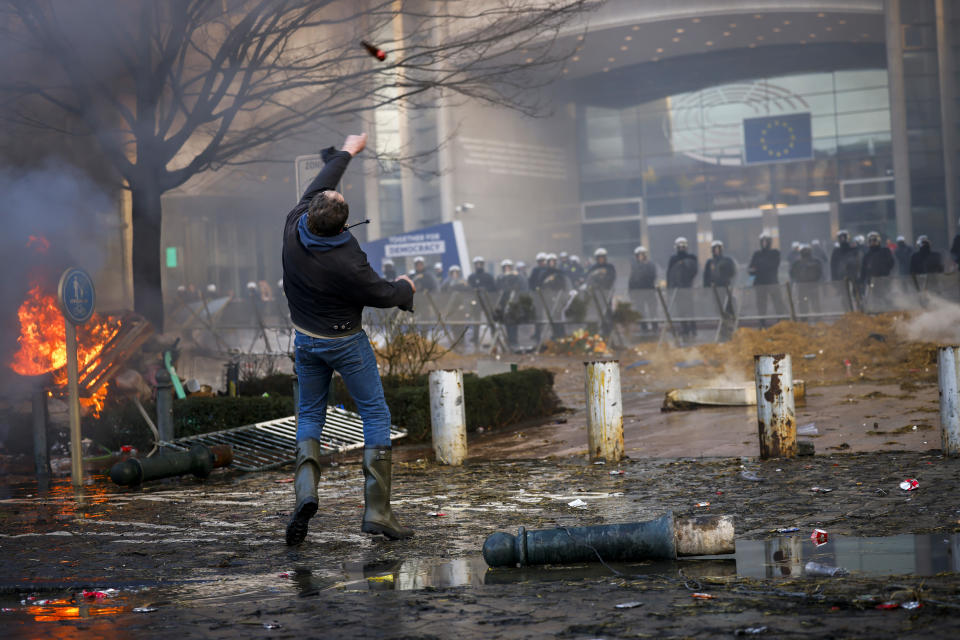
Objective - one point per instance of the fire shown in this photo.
(43, 342)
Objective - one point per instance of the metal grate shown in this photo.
(271, 444)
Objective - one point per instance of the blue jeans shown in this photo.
(353, 359)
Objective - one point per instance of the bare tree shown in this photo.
(171, 89)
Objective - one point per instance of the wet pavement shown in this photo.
(194, 558)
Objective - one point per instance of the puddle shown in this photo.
(908, 554)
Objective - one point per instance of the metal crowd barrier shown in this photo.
(503, 321)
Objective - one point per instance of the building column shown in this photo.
(948, 111)
(898, 118)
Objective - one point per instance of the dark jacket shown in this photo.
(681, 270)
(602, 276)
(482, 280)
(926, 261)
(536, 276)
(425, 281)
(878, 263)
(327, 280)
(719, 271)
(643, 275)
(764, 265)
(845, 263)
(807, 269)
(955, 248)
(511, 282)
(903, 253)
(553, 279)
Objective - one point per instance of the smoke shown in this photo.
(939, 322)
(51, 220)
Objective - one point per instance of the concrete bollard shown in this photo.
(604, 411)
(448, 420)
(164, 406)
(948, 372)
(776, 416)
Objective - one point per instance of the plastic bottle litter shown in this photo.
(909, 484)
(702, 596)
(617, 472)
(577, 503)
(888, 605)
(826, 570)
(819, 537)
(913, 604)
(820, 490)
(629, 605)
(808, 430)
(702, 504)
(144, 609)
(751, 476)
(440, 514)
(787, 529)
(750, 631)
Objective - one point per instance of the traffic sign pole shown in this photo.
(77, 300)
(73, 392)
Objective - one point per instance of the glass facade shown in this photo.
(684, 154)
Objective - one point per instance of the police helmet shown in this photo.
(454, 267)
(551, 256)
(506, 262)
(716, 243)
(418, 259)
(541, 256)
(477, 259)
(765, 235)
(639, 250)
(680, 241)
(901, 239)
(844, 233)
(921, 240)
(575, 259)
(564, 254)
(599, 252)
(388, 262)
(521, 264)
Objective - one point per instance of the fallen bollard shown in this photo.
(664, 537)
(740, 396)
(199, 461)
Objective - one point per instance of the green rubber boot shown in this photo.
(305, 485)
(378, 518)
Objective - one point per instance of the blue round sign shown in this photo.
(77, 296)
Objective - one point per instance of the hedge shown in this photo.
(494, 401)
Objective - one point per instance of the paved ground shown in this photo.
(206, 558)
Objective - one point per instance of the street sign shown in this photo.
(77, 299)
(77, 296)
(306, 168)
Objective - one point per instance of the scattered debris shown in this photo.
(702, 596)
(144, 609)
(617, 472)
(750, 631)
(702, 504)
(787, 529)
(909, 484)
(825, 570)
(819, 537)
(440, 514)
(820, 490)
(629, 605)
(808, 430)
(577, 503)
(751, 476)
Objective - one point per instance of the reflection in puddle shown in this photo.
(908, 554)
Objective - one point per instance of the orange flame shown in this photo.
(43, 342)
(38, 244)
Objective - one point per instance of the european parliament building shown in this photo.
(709, 119)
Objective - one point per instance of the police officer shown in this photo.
(575, 271)
(681, 271)
(643, 277)
(480, 279)
(454, 280)
(902, 253)
(845, 259)
(764, 267)
(422, 278)
(925, 260)
(720, 269)
(552, 278)
(508, 280)
(389, 270)
(602, 274)
(536, 274)
(438, 271)
(878, 262)
(806, 273)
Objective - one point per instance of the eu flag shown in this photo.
(777, 138)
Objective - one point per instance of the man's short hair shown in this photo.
(327, 214)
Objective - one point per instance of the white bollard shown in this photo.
(604, 411)
(448, 419)
(776, 415)
(948, 371)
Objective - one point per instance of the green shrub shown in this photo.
(494, 401)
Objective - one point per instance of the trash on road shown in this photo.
(638, 363)
(888, 605)
(787, 529)
(818, 569)
(909, 484)
(702, 596)
(808, 430)
(909, 606)
(750, 631)
(702, 504)
(629, 605)
(577, 503)
(439, 514)
(144, 609)
(617, 472)
(284, 480)
(819, 537)
(272, 625)
(751, 476)
(882, 492)
(820, 490)
(99, 595)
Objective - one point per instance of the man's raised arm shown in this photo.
(333, 170)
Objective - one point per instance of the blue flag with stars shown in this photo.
(777, 138)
